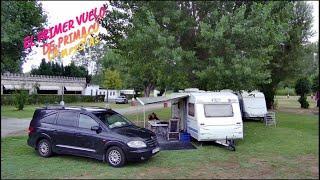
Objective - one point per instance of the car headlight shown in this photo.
(137, 144)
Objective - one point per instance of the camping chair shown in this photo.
(270, 119)
(173, 130)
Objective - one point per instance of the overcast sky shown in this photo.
(61, 11)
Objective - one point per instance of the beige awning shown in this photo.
(12, 87)
(49, 87)
(160, 99)
(74, 88)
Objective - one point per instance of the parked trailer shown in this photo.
(214, 116)
(253, 105)
(206, 116)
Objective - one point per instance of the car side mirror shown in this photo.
(96, 129)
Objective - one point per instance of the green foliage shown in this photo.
(112, 79)
(18, 20)
(285, 92)
(302, 88)
(303, 102)
(56, 69)
(97, 79)
(315, 83)
(20, 98)
(50, 99)
(209, 45)
(286, 62)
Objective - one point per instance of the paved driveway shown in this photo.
(14, 126)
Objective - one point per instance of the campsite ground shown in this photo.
(289, 150)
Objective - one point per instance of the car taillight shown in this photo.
(30, 130)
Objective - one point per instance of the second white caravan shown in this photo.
(253, 105)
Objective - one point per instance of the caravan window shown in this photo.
(218, 110)
(190, 109)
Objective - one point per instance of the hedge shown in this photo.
(8, 99)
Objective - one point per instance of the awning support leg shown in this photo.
(144, 116)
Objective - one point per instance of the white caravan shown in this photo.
(253, 104)
(214, 116)
(206, 116)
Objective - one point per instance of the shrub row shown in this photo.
(8, 99)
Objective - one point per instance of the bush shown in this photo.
(303, 87)
(20, 98)
(50, 99)
(303, 102)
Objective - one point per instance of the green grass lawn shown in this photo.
(288, 151)
(27, 112)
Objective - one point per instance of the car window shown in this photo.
(67, 118)
(113, 120)
(50, 119)
(87, 122)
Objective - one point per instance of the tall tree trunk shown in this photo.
(269, 90)
(148, 89)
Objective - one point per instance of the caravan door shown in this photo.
(192, 123)
(219, 121)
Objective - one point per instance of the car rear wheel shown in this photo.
(44, 148)
(115, 156)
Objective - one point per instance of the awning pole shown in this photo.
(144, 116)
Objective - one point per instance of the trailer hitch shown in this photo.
(228, 143)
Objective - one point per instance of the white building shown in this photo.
(93, 90)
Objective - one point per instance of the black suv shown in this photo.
(98, 133)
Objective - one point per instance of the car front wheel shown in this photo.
(115, 156)
(44, 148)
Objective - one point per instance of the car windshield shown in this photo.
(113, 120)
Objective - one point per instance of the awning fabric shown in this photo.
(74, 88)
(49, 87)
(11, 87)
(153, 100)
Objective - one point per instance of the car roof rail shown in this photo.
(54, 106)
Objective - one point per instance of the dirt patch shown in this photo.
(310, 162)
(154, 172)
(232, 169)
(310, 111)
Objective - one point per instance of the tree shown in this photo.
(210, 45)
(20, 99)
(57, 69)
(18, 20)
(302, 88)
(288, 54)
(315, 83)
(112, 79)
